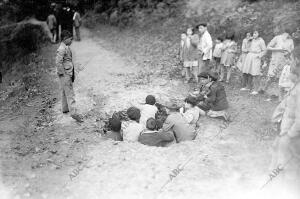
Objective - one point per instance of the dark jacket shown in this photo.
(216, 97)
(156, 138)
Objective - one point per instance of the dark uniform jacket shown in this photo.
(216, 96)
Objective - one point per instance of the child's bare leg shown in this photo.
(229, 69)
(187, 73)
(183, 71)
(219, 68)
(222, 75)
(196, 72)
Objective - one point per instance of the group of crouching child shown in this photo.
(159, 125)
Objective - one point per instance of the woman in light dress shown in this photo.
(280, 46)
(251, 68)
(245, 48)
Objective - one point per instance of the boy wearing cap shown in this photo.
(66, 74)
(212, 95)
(152, 137)
(176, 123)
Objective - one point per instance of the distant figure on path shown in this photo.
(77, 24)
(52, 24)
(66, 74)
(205, 46)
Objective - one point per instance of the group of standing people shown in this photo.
(250, 63)
(198, 53)
(61, 19)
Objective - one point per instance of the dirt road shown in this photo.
(68, 160)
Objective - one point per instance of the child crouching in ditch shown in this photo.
(115, 133)
(131, 129)
(191, 112)
(152, 137)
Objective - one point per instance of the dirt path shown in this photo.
(225, 161)
(220, 162)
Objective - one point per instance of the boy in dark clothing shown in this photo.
(115, 133)
(152, 137)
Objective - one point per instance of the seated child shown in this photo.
(176, 123)
(115, 133)
(212, 96)
(131, 129)
(191, 111)
(148, 110)
(152, 137)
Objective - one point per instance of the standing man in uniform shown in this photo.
(66, 74)
(77, 24)
(205, 48)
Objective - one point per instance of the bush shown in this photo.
(20, 40)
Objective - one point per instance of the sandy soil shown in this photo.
(63, 159)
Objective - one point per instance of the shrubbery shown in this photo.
(19, 40)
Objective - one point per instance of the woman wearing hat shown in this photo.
(176, 123)
(212, 95)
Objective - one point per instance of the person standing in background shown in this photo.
(205, 46)
(181, 49)
(280, 46)
(190, 55)
(245, 48)
(77, 24)
(52, 23)
(286, 147)
(251, 68)
(217, 54)
(228, 56)
(65, 72)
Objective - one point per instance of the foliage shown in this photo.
(19, 40)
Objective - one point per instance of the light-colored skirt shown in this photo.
(252, 64)
(227, 59)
